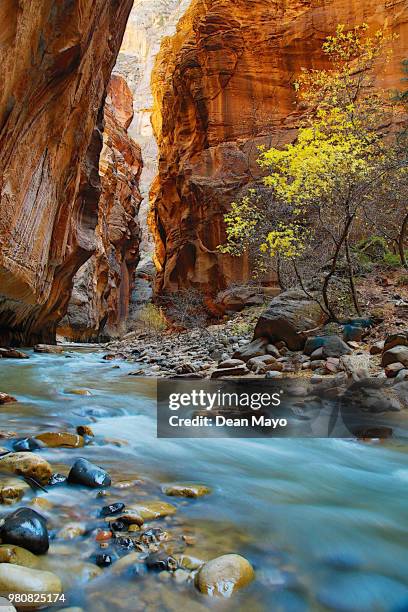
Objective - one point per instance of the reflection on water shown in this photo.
(324, 522)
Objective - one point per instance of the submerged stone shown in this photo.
(9, 553)
(86, 473)
(186, 490)
(153, 509)
(26, 528)
(28, 465)
(12, 490)
(224, 575)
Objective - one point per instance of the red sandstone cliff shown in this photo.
(223, 85)
(100, 298)
(56, 60)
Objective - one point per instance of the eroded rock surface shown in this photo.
(56, 62)
(102, 287)
(222, 85)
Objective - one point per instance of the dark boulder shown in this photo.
(86, 473)
(26, 528)
(289, 316)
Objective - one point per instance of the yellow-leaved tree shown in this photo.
(322, 186)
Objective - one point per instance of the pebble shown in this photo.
(26, 528)
(86, 473)
(28, 465)
(19, 579)
(153, 509)
(224, 575)
(112, 509)
(54, 439)
(5, 398)
(48, 348)
(186, 490)
(9, 553)
(12, 490)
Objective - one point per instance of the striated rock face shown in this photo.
(102, 286)
(222, 85)
(56, 60)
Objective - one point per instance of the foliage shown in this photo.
(324, 187)
(152, 317)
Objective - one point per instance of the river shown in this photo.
(324, 522)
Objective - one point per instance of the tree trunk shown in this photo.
(351, 277)
(401, 241)
(334, 267)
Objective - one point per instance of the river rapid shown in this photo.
(324, 522)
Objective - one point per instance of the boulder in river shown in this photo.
(11, 353)
(26, 445)
(86, 473)
(26, 528)
(10, 553)
(186, 490)
(55, 439)
(25, 580)
(12, 490)
(224, 575)
(28, 465)
(153, 509)
(289, 316)
(5, 398)
(48, 348)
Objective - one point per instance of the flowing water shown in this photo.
(324, 522)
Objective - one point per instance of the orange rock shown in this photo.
(103, 536)
(223, 85)
(56, 62)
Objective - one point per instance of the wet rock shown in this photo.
(10, 353)
(190, 563)
(103, 560)
(289, 316)
(26, 445)
(393, 369)
(161, 563)
(10, 553)
(130, 516)
(132, 561)
(19, 579)
(57, 479)
(224, 575)
(55, 439)
(112, 509)
(48, 348)
(396, 354)
(28, 465)
(256, 348)
(230, 363)
(84, 392)
(84, 430)
(26, 528)
(6, 399)
(103, 535)
(153, 509)
(42, 504)
(12, 490)
(86, 473)
(237, 371)
(71, 531)
(186, 490)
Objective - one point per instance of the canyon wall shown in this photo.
(56, 60)
(99, 305)
(222, 85)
